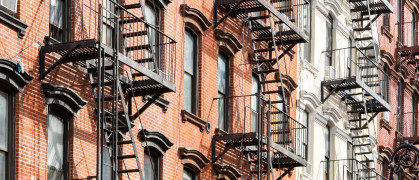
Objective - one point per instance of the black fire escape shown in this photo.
(359, 86)
(277, 141)
(124, 57)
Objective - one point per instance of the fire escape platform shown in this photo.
(241, 8)
(80, 51)
(282, 158)
(379, 7)
(342, 87)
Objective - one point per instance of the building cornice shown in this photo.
(13, 75)
(387, 58)
(194, 18)
(227, 41)
(332, 113)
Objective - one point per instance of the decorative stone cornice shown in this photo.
(387, 58)
(227, 41)
(195, 18)
(386, 33)
(226, 172)
(384, 124)
(156, 140)
(385, 152)
(332, 113)
(409, 5)
(162, 102)
(13, 22)
(287, 81)
(187, 116)
(193, 158)
(311, 98)
(13, 75)
(63, 98)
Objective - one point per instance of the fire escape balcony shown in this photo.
(349, 169)
(408, 51)
(145, 54)
(285, 12)
(279, 135)
(357, 72)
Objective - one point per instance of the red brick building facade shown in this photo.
(180, 139)
(398, 38)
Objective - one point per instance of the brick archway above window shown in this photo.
(288, 81)
(385, 153)
(193, 159)
(63, 98)
(13, 75)
(194, 18)
(227, 172)
(156, 140)
(387, 58)
(227, 41)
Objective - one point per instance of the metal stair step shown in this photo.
(363, 39)
(281, 131)
(361, 136)
(266, 60)
(263, 28)
(362, 29)
(358, 128)
(366, 48)
(367, 161)
(285, 10)
(366, 58)
(126, 156)
(369, 76)
(279, 122)
(134, 34)
(356, 120)
(373, 84)
(140, 47)
(280, 22)
(367, 67)
(267, 71)
(283, 142)
(125, 142)
(270, 81)
(132, 6)
(271, 92)
(360, 19)
(145, 60)
(258, 17)
(264, 50)
(363, 153)
(130, 20)
(128, 170)
(107, 83)
(276, 102)
(268, 38)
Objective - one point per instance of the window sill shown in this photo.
(162, 102)
(219, 131)
(187, 116)
(14, 22)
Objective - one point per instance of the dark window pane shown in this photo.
(56, 13)
(55, 147)
(107, 170)
(4, 119)
(222, 74)
(187, 175)
(188, 96)
(221, 112)
(9, 4)
(190, 53)
(254, 103)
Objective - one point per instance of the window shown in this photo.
(57, 146)
(189, 175)
(386, 21)
(414, 107)
(9, 6)
(304, 122)
(384, 90)
(254, 103)
(284, 138)
(106, 158)
(399, 105)
(6, 136)
(349, 59)
(108, 23)
(58, 20)
(383, 169)
(191, 72)
(327, 152)
(306, 28)
(329, 41)
(223, 91)
(151, 166)
(399, 20)
(350, 153)
(153, 16)
(414, 30)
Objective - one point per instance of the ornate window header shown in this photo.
(194, 18)
(193, 159)
(156, 140)
(63, 97)
(13, 75)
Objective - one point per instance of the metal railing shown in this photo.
(293, 9)
(352, 62)
(128, 30)
(409, 46)
(347, 169)
(255, 114)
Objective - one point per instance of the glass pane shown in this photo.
(190, 53)
(11, 4)
(187, 175)
(221, 112)
(4, 119)
(327, 141)
(253, 125)
(255, 85)
(3, 157)
(55, 147)
(56, 13)
(107, 171)
(148, 170)
(329, 34)
(188, 92)
(222, 75)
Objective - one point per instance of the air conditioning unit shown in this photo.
(330, 73)
(386, 116)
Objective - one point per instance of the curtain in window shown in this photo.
(55, 147)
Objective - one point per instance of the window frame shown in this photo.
(159, 16)
(227, 93)
(10, 151)
(8, 10)
(386, 21)
(399, 101)
(195, 76)
(400, 21)
(66, 23)
(327, 154)
(195, 176)
(414, 123)
(154, 157)
(66, 138)
(257, 104)
(414, 29)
